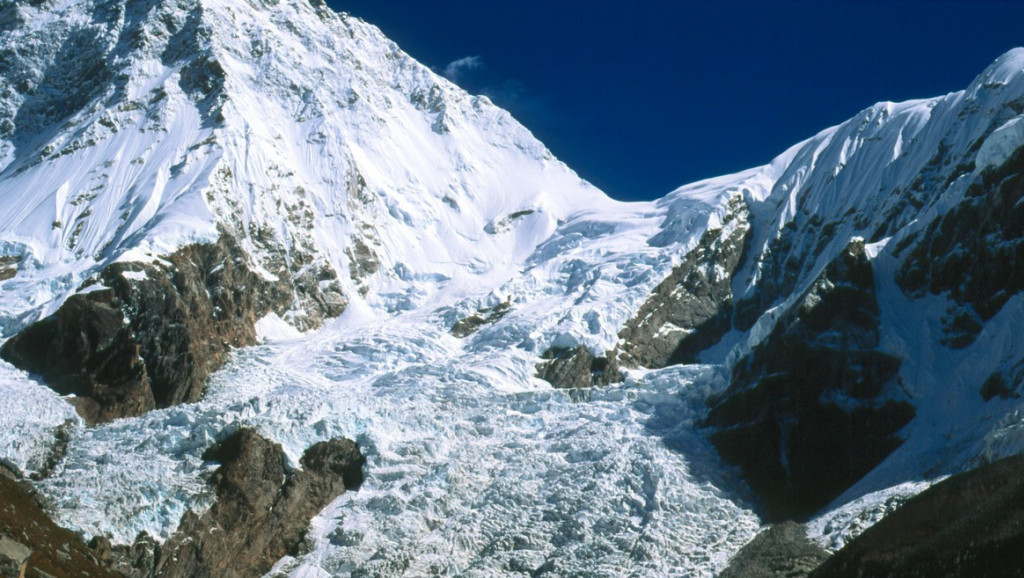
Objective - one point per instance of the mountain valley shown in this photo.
(276, 299)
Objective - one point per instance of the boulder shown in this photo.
(576, 368)
(781, 551)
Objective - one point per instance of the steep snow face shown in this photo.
(904, 177)
(389, 195)
(341, 163)
(129, 129)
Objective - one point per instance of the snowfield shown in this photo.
(474, 465)
(334, 157)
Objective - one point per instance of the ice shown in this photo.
(475, 466)
(273, 328)
(29, 415)
(1001, 143)
(464, 475)
(836, 527)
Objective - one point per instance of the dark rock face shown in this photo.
(578, 368)
(31, 544)
(973, 252)
(691, 309)
(782, 551)
(8, 267)
(812, 408)
(261, 512)
(971, 525)
(152, 334)
(87, 350)
(787, 259)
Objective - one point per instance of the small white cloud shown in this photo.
(456, 68)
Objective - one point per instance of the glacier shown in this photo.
(402, 205)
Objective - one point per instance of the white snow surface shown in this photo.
(314, 134)
(473, 467)
(29, 415)
(306, 132)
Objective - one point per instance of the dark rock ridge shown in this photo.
(576, 368)
(260, 515)
(781, 551)
(970, 525)
(814, 407)
(692, 308)
(149, 334)
(32, 545)
(974, 252)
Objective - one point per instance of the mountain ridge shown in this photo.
(437, 258)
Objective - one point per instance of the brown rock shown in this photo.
(152, 333)
(781, 551)
(578, 368)
(692, 308)
(85, 349)
(261, 513)
(31, 544)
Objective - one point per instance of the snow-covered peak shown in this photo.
(1006, 70)
(389, 197)
(128, 129)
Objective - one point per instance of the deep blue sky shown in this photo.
(640, 97)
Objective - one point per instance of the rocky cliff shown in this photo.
(146, 335)
(814, 406)
(261, 512)
(692, 309)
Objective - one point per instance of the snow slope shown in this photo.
(424, 204)
(130, 129)
(885, 176)
(369, 157)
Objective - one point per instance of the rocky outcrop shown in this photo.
(484, 316)
(260, 515)
(781, 551)
(973, 252)
(304, 273)
(970, 525)
(575, 368)
(8, 267)
(32, 545)
(787, 259)
(145, 335)
(86, 349)
(692, 308)
(813, 407)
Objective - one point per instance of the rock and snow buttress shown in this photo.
(263, 227)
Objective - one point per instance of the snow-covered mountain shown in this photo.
(220, 214)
